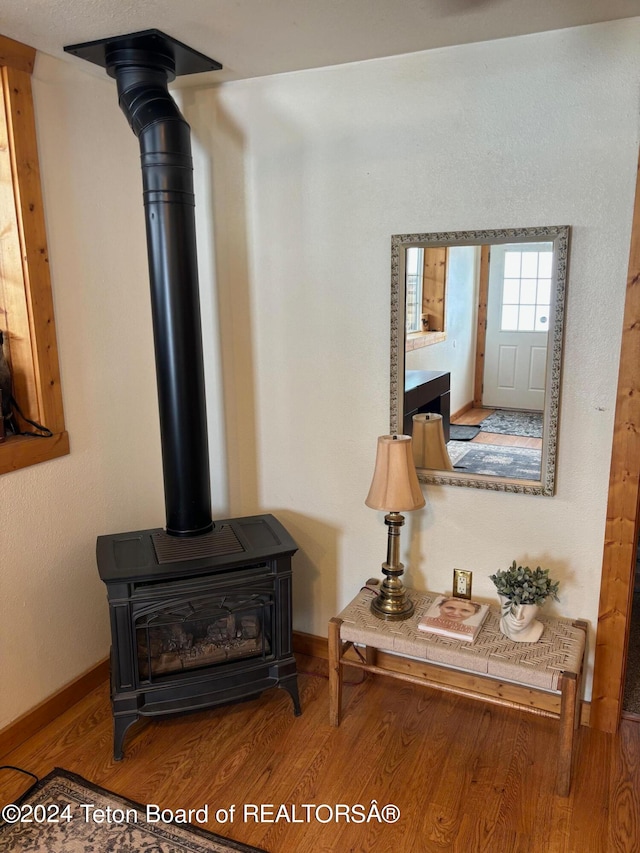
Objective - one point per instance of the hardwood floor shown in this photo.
(466, 777)
(472, 417)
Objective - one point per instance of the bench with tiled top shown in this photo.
(541, 678)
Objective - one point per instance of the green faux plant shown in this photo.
(522, 585)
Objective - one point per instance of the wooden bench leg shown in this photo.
(371, 658)
(568, 719)
(335, 672)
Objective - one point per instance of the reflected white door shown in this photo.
(517, 326)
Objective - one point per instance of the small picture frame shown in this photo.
(461, 583)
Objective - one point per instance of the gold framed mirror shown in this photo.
(477, 323)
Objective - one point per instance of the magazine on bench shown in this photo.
(458, 618)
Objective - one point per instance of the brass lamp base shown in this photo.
(392, 602)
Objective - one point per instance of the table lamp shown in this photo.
(395, 489)
(429, 447)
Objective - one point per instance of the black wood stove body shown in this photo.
(197, 622)
(200, 612)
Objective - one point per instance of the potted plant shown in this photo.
(522, 591)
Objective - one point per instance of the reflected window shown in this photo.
(526, 295)
(425, 288)
(415, 267)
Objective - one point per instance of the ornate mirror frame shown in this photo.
(559, 236)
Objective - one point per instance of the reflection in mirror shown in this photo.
(476, 344)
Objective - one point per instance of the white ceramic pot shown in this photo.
(519, 622)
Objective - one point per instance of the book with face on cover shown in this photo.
(458, 618)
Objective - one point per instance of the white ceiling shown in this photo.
(257, 37)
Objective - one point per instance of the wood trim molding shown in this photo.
(17, 55)
(621, 532)
(21, 451)
(46, 712)
(26, 302)
(309, 644)
(30, 207)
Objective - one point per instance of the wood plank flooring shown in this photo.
(472, 417)
(466, 777)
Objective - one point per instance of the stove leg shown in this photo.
(290, 684)
(120, 726)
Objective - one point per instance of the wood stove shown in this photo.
(200, 612)
(200, 622)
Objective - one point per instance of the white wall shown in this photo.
(301, 180)
(54, 620)
(519, 132)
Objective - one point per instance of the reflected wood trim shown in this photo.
(499, 440)
(434, 275)
(418, 340)
(456, 416)
(621, 531)
(468, 416)
(481, 332)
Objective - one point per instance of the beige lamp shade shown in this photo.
(429, 448)
(395, 486)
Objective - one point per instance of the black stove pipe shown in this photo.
(142, 74)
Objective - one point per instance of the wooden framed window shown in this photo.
(425, 285)
(26, 305)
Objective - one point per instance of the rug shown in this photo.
(463, 432)
(505, 422)
(127, 831)
(456, 450)
(516, 463)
